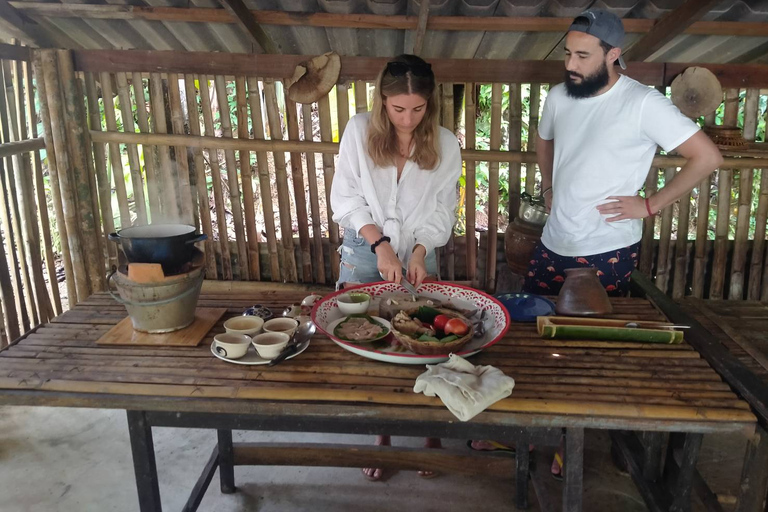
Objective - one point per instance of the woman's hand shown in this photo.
(388, 263)
(417, 269)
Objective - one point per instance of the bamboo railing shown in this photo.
(232, 155)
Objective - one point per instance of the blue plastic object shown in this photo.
(525, 307)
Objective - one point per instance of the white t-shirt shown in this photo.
(420, 209)
(604, 146)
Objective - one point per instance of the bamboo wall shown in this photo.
(170, 147)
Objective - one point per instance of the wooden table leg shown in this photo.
(652, 452)
(573, 470)
(754, 473)
(681, 492)
(522, 466)
(144, 465)
(226, 462)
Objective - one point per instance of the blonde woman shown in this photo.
(394, 190)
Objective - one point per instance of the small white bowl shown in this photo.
(353, 303)
(230, 345)
(270, 344)
(284, 325)
(248, 325)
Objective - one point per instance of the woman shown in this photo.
(394, 190)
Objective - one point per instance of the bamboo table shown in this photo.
(561, 386)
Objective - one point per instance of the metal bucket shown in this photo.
(159, 307)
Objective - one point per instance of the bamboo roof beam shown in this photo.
(247, 21)
(421, 28)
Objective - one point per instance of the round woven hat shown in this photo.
(314, 78)
(696, 92)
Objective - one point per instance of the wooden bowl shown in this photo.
(433, 348)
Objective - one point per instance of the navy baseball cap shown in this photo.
(604, 25)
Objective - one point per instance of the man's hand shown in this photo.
(623, 207)
(417, 269)
(388, 263)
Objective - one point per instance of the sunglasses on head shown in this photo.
(400, 68)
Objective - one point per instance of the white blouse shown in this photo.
(420, 209)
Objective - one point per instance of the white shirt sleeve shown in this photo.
(547, 121)
(347, 198)
(436, 229)
(663, 123)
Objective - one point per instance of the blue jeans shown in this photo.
(359, 265)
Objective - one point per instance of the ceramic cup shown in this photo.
(284, 325)
(353, 303)
(248, 325)
(230, 345)
(270, 344)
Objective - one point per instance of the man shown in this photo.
(597, 137)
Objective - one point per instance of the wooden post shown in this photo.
(180, 152)
(218, 194)
(154, 185)
(297, 174)
(361, 96)
(493, 188)
(515, 144)
(450, 123)
(78, 139)
(281, 182)
(169, 206)
(232, 179)
(314, 199)
(11, 301)
(203, 201)
(115, 155)
(53, 162)
(139, 199)
(246, 173)
(257, 121)
(758, 247)
(681, 247)
(470, 167)
(665, 238)
(326, 135)
(649, 225)
(342, 106)
(533, 131)
(702, 225)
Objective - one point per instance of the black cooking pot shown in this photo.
(171, 245)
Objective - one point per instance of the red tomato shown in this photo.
(440, 321)
(456, 326)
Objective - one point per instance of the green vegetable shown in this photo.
(426, 314)
(448, 339)
(427, 337)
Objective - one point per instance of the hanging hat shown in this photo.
(314, 78)
(697, 92)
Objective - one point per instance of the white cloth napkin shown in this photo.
(466, 389)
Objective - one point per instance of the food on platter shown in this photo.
(392, 303)
(360, 328)
(430, 331)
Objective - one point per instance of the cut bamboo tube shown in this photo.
(50, 150)
(218, 194)
(28, 217)
(180, 152)
(326, 135)
(649, 224)
(257, 121)
(450, 123)
(665, 238)
(79, 143)
(515, 144)
(746, 176)
(342, 102)
(232, 179)
(10, 321)
(361, 97)
(169, 206)
(758, 247)
(13, 173)
(493, 188)
(246, 172)
(16, 314)
(104, 185)
(702, 230)
(471, 181)
(717, 285)
(115, 155)
(44, 228)
(68, 199)
(203, 201)
(281, 183)
(297, 175)
(126, 110)
(154, 188)
(533, 131)
(314, 199)
(681, 247)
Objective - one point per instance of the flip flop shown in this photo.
(497, 447)
(372, 478)
(428, 474)
(558, 476)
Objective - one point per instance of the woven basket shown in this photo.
(434, 348)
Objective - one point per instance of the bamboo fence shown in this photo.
(232, 155)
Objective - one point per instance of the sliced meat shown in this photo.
(358, 329)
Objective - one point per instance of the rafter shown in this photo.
(421, 28)
(247, 21)
(20, 27)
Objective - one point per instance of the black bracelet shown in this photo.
(378, 242)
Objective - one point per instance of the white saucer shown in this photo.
(252, 357)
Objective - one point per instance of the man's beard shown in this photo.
(589, 85)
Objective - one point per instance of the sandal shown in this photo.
(373, 477)
(496, 447)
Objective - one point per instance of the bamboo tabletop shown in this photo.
(559, 383)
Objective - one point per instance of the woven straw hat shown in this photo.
(314, 78)
(696, 92)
